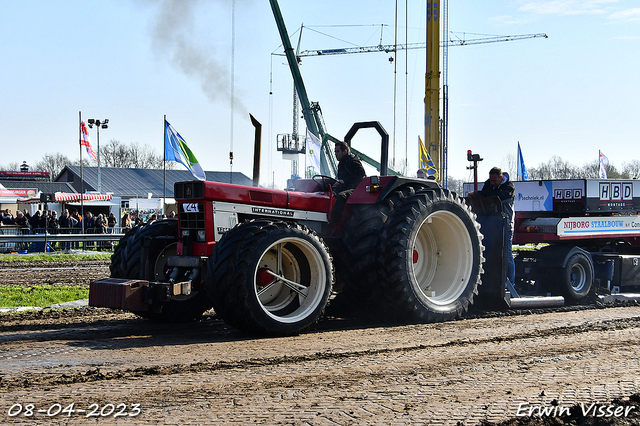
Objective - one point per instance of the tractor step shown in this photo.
(525, 302)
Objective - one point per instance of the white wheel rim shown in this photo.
(442, 257)
(296, 297)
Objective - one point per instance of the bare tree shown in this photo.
(118, 154)
(455, 185)
(85, 162)
(52, 163)
(144, 157)
(591, 170)
(509, 165)
(114, 154)
(557, 168)
(13, 166)
(632, 169)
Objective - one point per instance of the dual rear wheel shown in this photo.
(431, 256)
(417, 256)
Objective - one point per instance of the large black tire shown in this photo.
(359, 266)
(575, 279)
(128, 261)
(245, 271)
(433, 255)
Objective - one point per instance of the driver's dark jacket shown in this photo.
(505, 191)
(350, 171)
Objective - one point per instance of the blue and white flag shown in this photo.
(603, 163)
(176, 149)
(522, 169)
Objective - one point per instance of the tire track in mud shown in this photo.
(72, 272)
(27, 380)
(343, 382)
(371, 386)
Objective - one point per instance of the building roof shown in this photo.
(139, 182)
(43, 186)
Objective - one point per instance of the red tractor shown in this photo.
(264, 259)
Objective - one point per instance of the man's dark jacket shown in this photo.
(350, 171)
(505, 191)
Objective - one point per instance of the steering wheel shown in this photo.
(324, 181)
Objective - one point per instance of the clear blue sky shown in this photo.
(133, 61)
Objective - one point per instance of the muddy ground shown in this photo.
(101, 366)
(76, 272)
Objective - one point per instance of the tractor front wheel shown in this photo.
(269, 277)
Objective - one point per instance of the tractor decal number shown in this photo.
(190, 207)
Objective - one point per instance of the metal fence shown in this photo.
(18, 239)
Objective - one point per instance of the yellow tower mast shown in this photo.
(432, 87)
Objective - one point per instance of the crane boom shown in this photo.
(387, 48)
(436, 143)
(311, 112)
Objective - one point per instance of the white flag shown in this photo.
(313, 155)
(603, 163)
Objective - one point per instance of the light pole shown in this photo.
(104, 125)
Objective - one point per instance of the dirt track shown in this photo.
(52, 273)
(343, 372)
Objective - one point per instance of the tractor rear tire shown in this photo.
(433, 255)
(359, 267)
(270, 277)
(128, 262)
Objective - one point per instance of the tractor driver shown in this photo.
(350, 173)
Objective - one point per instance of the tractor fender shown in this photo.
(398, 181)
(389, 185)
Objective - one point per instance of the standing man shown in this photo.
(65, 225)
(350, 173)
(499, 185)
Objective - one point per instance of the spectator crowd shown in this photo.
(71, 222)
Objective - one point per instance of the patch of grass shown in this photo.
(52, 257)
(41, 296)
(529, 247)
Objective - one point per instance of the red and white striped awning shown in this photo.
(69, 197)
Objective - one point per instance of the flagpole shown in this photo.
(164, 163)
(81, 173)
(518, 159)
